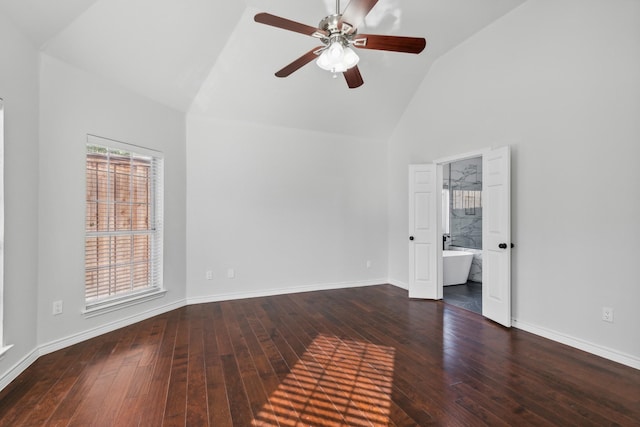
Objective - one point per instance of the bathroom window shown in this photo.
(467, 201)
(123, 243)
(445, 211)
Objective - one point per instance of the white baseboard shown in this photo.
(59, 344)
(70, 340)
(598, 350)
(282, 291)
(18, 368)
(27, 360)
(398, 284)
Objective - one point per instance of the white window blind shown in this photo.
(124, 224)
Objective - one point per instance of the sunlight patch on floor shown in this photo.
(336, 382)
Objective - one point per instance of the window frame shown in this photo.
(114, 302)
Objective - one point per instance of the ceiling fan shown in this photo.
(338, 33)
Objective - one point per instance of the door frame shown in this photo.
(496, 223)
(439, 171)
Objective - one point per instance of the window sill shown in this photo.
(99, 308)
(4, 349)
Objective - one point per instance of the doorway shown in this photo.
(426, 231)
(462, 233)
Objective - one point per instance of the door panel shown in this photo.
(423, 229)
(422, 211)
(496, 260)
(422, 270)
(492, 288)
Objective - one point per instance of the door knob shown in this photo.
(410, 237)
(502, 246)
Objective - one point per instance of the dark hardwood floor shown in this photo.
(356, 357)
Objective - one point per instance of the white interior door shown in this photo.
(496, 236)
(424, 244)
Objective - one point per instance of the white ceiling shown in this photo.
(209, 56)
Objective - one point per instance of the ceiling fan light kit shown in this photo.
(338, 34)
(338, 58)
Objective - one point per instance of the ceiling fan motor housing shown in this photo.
(344, 35)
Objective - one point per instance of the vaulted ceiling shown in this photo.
(209, 57)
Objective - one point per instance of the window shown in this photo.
(445, 211)
(123, 245)
(467, 201)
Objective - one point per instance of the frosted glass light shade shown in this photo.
(336, 51)
(337, 58)
(350, 59)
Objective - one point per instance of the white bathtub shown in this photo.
(456, 267)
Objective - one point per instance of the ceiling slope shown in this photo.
(209, 57)
(242, 85)
(162, 49)
(42, 19)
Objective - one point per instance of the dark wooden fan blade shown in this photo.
(287, 24)
(355, 12)
(391, 43)
(299, 63)
(353, 77)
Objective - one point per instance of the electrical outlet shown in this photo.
(57, 308)
(209, 275)
(607, 314)
(231, 273)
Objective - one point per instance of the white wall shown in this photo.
(289, 210)
(72, 105)
(19, 89)
(295, 210)
(558, 81)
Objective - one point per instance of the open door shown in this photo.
(496, 236)
(424, 244)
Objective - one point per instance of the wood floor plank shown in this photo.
(408, 394)
(87, 377)
(358, 357)
(175, 407)
(151, 406)
(401, 395)
(49, 376)
(358, 390)
(280, 401)
(333, 377)
(239, 405)
(284, 413)
(217, 398)
(197, 402)
(250, 378)
(532, 388)
(149, 342)
(115, 379)
(310, 401)
(282, 406)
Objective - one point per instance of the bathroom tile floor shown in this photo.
(467, 296)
